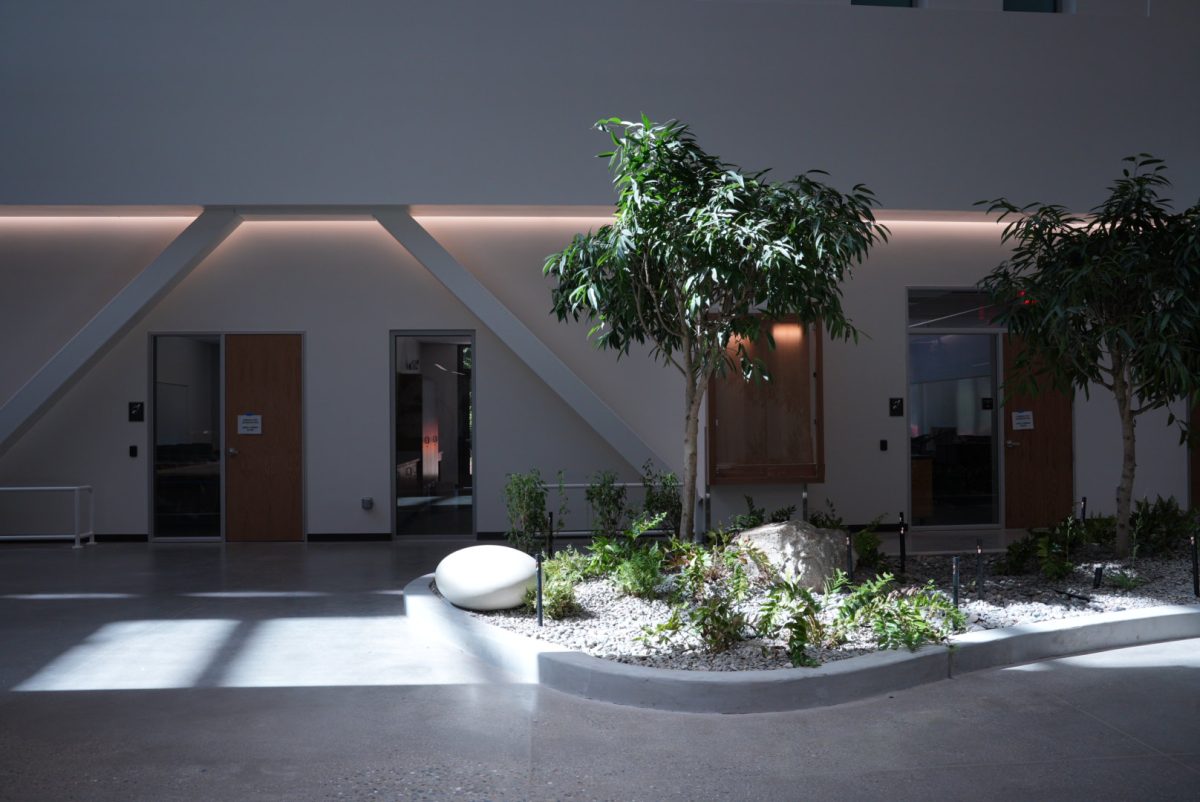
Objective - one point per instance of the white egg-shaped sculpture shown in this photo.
(486, 577)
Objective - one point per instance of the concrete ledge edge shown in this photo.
(534, 661)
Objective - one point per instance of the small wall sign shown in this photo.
(250, 423)
(1022, 421)
(137, 411)
(896, 407)
(987, 403)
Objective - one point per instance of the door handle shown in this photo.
(1007, 444)
(233, 452)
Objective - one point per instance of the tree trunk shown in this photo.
(1123, 391)
(693, 395)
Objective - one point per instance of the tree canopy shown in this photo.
(701, 254)
(1111, 298)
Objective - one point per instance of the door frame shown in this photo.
(470, 335)
(996, 333)
(151, 414)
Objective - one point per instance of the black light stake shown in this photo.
(1099, 576)
(539, 588)
(903, 538)
(550, 537)
(1195, 568)
(849, 558)
(979, 568)
(955, 581)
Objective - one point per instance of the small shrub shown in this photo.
(1054, 561)
(859, 600)
(757, 516)
(719, 623)
(694, 564)
(710, 586)
(716, 623)
(662, 497)
(640, 574)
(866, 543)
(1100, 530)
(569, 564)
(783, 514)
(560, 574)
(754, 516)
(827, 520)
(915, 617)
(558, 600)
(1160, 527)
(609, 552)
(906, 617)
(790, 608)
(664, 633)
(1055, 546)
(528, 520)
(1126, 580)
(1018, 558)
(606, 499)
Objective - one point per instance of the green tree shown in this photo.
(700, 253)
(1111, 298)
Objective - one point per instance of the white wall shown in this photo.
(474, 101)
(58, 272)
(1162, 464)
(347, 284)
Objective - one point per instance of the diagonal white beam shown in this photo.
(513, 333)
(117, 317)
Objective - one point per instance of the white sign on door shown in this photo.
(251, 423)
(1022, 421)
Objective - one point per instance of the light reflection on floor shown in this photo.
(281, 652)
(127, 655)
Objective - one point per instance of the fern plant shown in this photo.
(791, 609)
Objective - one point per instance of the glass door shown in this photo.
(952, 410)
(187, 436)
(433, 425)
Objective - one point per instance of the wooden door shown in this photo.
(1038, 453)
(263, 479)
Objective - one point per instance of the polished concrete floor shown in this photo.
(288, 672)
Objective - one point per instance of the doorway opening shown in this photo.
(953, 409)
(433, 424)
(186, 413)
(227, 432)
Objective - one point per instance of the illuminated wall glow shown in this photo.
(136, 655)
(787, 333)
(67, 596)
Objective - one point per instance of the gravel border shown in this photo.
(611, 625)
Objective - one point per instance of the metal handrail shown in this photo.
(77, 492)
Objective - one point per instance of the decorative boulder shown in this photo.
(486, 577)
(799, 551)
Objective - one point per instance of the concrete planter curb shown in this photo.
(533, 661)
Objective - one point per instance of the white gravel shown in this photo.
(611, 625)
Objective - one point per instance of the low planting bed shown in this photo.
(720, 607)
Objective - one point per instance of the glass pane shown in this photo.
(434, 422)
(950, 309)
(893, 3)
(187, 437)
(952, 420)
(1044, 6)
